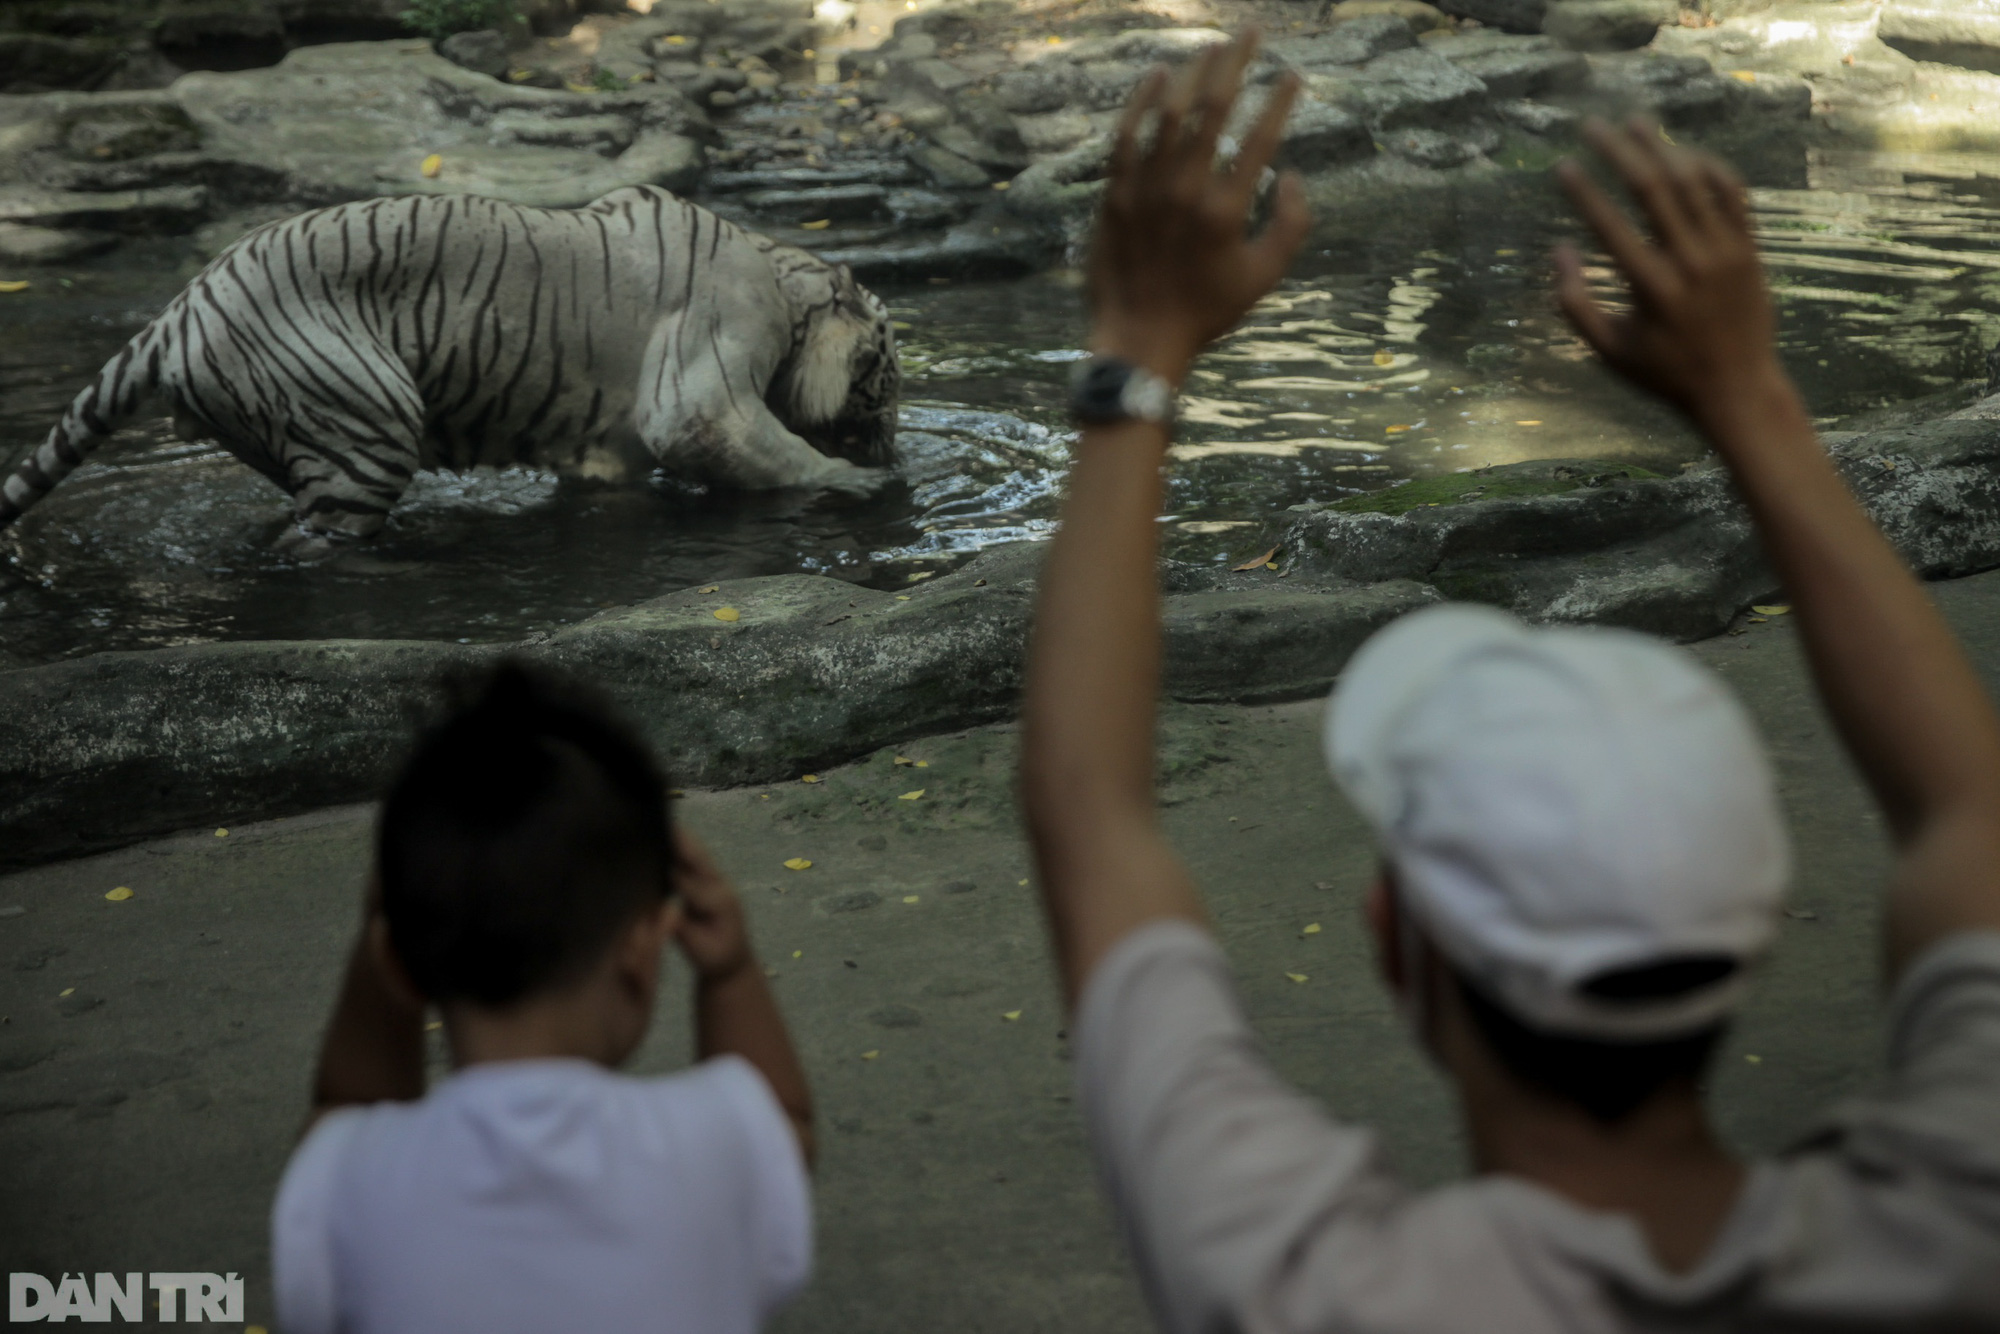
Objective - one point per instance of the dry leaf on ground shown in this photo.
(797, 863)
(120, 894)
(728, 614)
(1260, 562)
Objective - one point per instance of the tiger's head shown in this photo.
(838, 385)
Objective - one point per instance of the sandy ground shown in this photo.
(154, 1051)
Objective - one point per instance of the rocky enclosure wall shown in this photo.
(811, 671)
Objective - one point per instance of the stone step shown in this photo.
(884, 171)
(838, 203)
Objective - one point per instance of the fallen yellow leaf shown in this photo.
(1384, 357)
(1255, 563)
(432, 166)
(912, 898)
(1774, 609)
(712, 588)
(1311, 929)
(798, 954)
(434, 1025)
(520, 75)
(1011, 1015)
(1532, 421)
(576, 87)
(808, 778)
(1024, 882)
(870, 1055)
(797, 863)
(222, 833)
(120, 894)
(1297, 977)
(728, 614)
(20, 286)
(1505, 253)
(677, 40)
(1746, 75)
(1397, 429)
(911, 796)
(1270, 565)
(66, 991)
(1001, 185)
(904, 759)
(1054, 40)
(923, 764)
(1754, 1060)
(819, 226)
(902, 597)
(1758, 620)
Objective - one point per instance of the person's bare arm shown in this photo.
(1907, 703)
(1170, 271)
(734, 1010)
(374, 1047)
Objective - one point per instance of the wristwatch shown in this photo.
(1103, 390)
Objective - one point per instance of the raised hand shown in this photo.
(712, 934)
(1701, 325)
(1171, 268)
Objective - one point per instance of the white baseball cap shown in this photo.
(1563, 804)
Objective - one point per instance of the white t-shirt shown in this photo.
(1248, 1208)
(543, 1196)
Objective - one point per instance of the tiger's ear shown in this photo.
(825, 372)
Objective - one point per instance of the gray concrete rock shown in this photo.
(174, 209)
(814, 672)
(1432, 148)
(1536, 117)
(1507, 15)
(1403, 88)
(1607, 25)
(978, 248)
(22, 244)
(1585, 541)
(1513, 67)
(356, 120)
(1954, 32)
(1350, 43)
(948, 168)
(1419, 15)
(482, 52)
(1679, 90)
(838, 203)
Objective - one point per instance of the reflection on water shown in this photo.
(1434, 349)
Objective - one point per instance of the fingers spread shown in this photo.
(1221, 81)
(1642, 265)
(1125, 146)
(1573, 296)
(1261, 144)
(1634, 154)
(1272, 253)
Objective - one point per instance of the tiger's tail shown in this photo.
(93, 415)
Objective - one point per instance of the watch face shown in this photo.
(1099, 390)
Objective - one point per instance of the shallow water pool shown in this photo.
(1430, 346)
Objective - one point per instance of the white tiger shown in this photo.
(339, 351)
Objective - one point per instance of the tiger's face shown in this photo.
(843, 380)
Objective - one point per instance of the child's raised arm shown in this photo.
(1907, 703)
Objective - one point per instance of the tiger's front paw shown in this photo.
(853, 480)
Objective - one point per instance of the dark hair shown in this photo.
(1609, 1080)
(527, 829)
